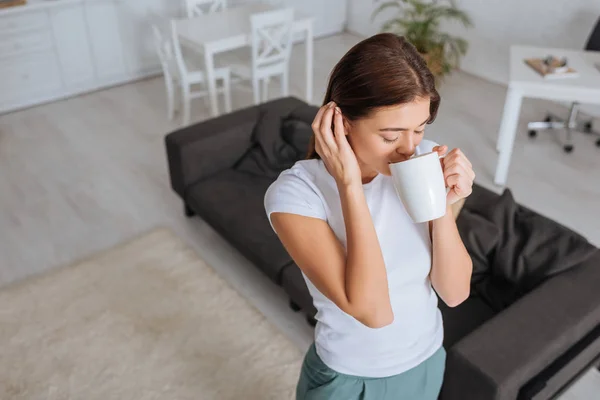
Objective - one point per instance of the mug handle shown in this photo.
(447, 187)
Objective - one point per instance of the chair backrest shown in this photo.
(201, 7)
(163, 44)
(177, 52)
(271, 37)
(593, 42)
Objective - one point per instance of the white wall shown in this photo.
(329, 15)
(500, 23)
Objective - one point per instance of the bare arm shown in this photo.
(355, 280)
(452, 266)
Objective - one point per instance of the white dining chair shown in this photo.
(180, 72)
(195, 8)
(270, 52)
(164, 50)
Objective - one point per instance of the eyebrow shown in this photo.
(400, 129)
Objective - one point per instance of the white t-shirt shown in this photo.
(344, 344)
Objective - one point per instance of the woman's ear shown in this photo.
(347, 126)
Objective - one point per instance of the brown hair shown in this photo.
(380, 71)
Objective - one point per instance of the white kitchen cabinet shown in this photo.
(51, 49)
(28, 78)
(69, 30)
(105, 41)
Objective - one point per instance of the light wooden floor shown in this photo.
(86, 173)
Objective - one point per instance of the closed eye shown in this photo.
(386, 140)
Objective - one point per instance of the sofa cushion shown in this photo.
(294, 285)
(232, 203)
(297, 133)
(270, 153)
(528, 249)
(461, 320)
(480, 237)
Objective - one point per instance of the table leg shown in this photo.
(309, 63)
(507, 133)
(211, 84)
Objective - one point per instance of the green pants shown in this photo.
(319, 382)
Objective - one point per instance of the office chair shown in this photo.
(570, 124)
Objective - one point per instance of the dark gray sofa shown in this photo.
(532, 323)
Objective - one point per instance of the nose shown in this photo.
(406, 146)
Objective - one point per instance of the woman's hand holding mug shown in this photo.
(458, 173)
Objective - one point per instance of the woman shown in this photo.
(371, 271)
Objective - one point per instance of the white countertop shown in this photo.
(37, 5)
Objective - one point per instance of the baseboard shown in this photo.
(72, 92)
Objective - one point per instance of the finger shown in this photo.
(452, 181)
(451, 161)
(461, 186)
(325, 128)
(455, 169)
(317, 121)
(458, 153)
(338, 124)
(318, 146)
(327, 117)
(441, 149)
(322, 148)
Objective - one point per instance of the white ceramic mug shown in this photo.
(419, 182)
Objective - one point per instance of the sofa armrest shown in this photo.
(497, 359)
(203, 149)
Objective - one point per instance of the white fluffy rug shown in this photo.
(146, 320)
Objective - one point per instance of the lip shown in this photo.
(405, 159)
(397, 161)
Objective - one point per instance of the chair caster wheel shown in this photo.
(295, 307)
(311, 321)
(532, 133)
(548, 119)
(598, 143)
(587, 127)
(568, 148)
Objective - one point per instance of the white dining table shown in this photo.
(230, 29)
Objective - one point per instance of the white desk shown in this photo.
(229, 30)
(525, 82)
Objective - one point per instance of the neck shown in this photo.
(367, 174)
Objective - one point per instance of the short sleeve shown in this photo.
(293, 194)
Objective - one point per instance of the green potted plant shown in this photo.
(419, 22)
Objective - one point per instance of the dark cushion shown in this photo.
(529, 249)
(461, 320)
(480, 237)
(270, 153)
(232, 203)
(297, 133)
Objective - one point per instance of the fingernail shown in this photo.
(337, 110)
(330, 104)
